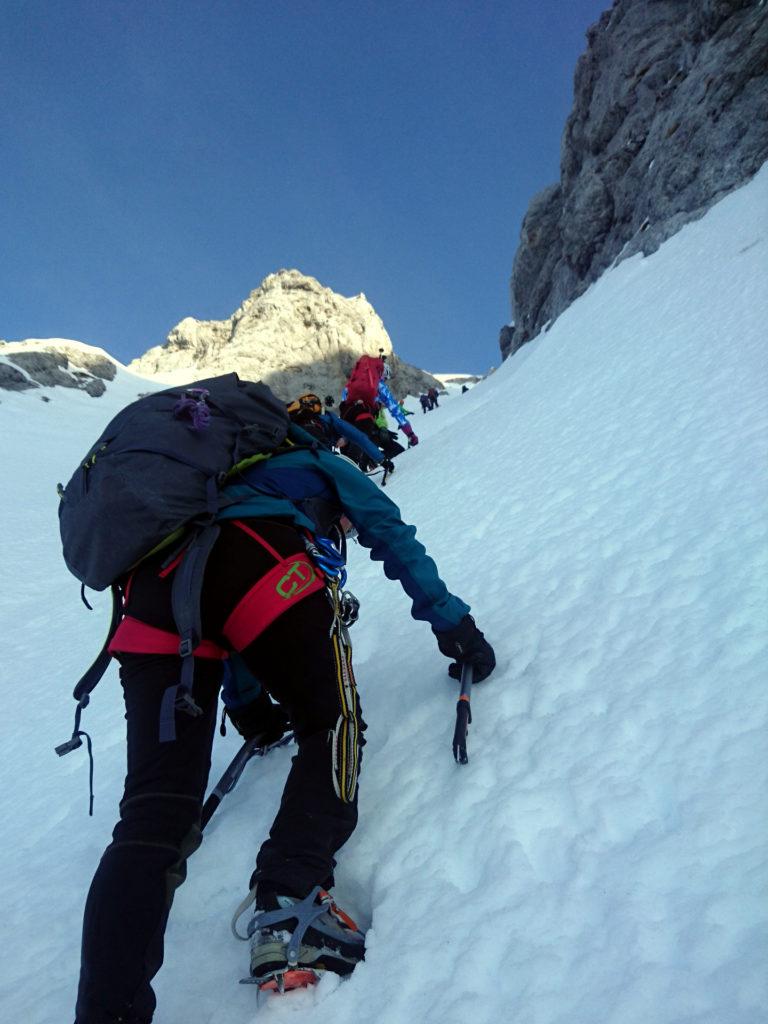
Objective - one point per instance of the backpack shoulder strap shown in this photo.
(84, 688)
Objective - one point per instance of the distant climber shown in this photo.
(307, 412)
(365, 391)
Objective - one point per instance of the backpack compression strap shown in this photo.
(89, 679)
(185, 600)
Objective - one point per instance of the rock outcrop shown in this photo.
(52, 362)
(290, 332)
(669, 114)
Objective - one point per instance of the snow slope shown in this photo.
(601, 502)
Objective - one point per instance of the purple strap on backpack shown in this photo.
(193, 406)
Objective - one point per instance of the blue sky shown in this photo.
(159, 159)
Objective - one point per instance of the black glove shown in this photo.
(260, 718)
(388, 465)
(466, 644)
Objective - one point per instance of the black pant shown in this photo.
(305, 666)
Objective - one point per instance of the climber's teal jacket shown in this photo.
(280, 486)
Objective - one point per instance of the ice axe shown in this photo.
(463, 714)
(253, 747)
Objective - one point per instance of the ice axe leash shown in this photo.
(463, 715)
(251, 748)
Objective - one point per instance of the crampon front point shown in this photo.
(285, 981)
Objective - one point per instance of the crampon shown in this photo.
(297, 941)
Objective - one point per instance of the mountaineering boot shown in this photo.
(294, 941)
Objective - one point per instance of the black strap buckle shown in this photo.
(69, 746)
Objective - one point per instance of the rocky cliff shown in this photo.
(670, 113)
(55, 362)
(290, 332)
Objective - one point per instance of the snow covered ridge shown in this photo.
(603, 859)
(55, 362)
(458, 378)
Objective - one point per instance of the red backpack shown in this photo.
(363, 382)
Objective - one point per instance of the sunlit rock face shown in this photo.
(291, 332)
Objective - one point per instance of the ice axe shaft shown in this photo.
(463, 715)
(251, 748)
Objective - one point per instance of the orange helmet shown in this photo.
(305, 406)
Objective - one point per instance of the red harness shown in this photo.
(290, 580)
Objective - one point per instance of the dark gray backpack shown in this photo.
(153, 476)
(158, 466)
